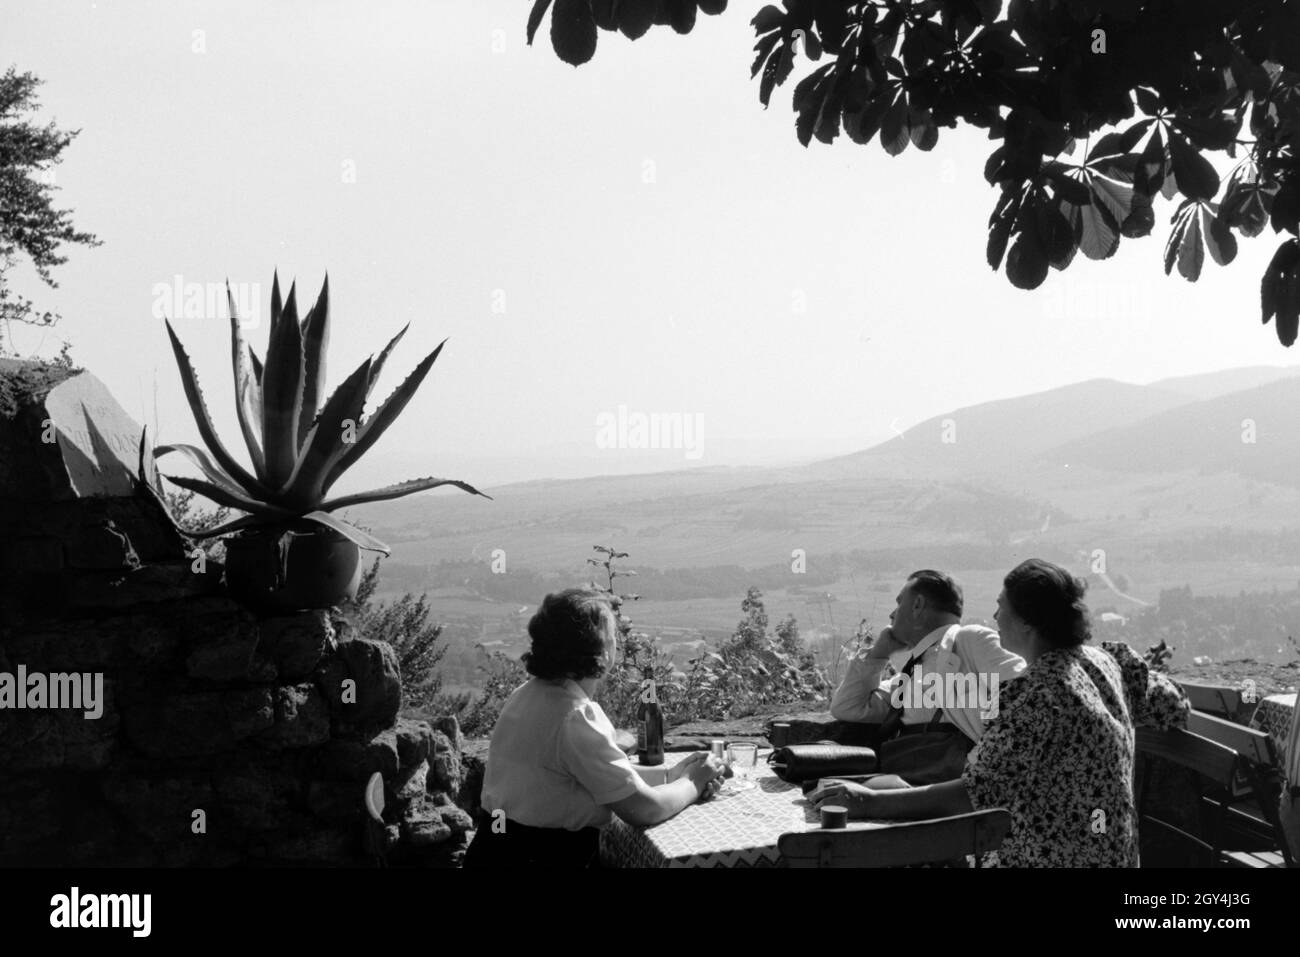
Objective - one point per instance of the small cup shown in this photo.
(780, 734)
(834, 816)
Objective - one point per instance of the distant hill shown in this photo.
(1254, 433)
(1211, 385)
(990, 437)
(1144, 470)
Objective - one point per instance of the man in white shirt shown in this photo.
(955, 670)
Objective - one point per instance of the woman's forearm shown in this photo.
(931, 800)
(648, 806)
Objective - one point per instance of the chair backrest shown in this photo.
(1253, 745)
(1221, 700)
(897, 845)
(1212, 760)
(1233, 757)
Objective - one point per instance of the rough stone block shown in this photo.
(74, 645)
(180, 724)
(414, 742)
(261, 670)
(227, 659)
(160, 805)
(355, 759)
(410, 783)
(148, 583)
(330, 846)
(43, 554)
(301, 719)
(296, 643)
(49, 738)
(423, 827)
(473, 761)
(456, 819)
(254, 798)
(446, 773)
(376, 695)
(449, 726)
(337, 801)
(100, 545)
(62, 436)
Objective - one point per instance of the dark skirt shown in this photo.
(514, 845)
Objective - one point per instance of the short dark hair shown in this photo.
(568, 635)
(938, 589)
(1050, 600)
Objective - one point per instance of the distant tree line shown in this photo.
(1257, 624)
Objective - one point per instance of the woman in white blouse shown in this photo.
(554, 773)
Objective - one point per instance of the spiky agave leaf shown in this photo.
(282, 394)
(315, 341)
(395, 491)
(149, 483)
(276, 305)
(148, 468)
(194, 395)
(382, 418)
(211, 471)
(223, 496)
(377, 366)
(235, 525)
(348, 531)
(304, 487)
(248, 389)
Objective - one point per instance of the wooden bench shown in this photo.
(1207, 748)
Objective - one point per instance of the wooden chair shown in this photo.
(1252, 799)
(1223, 701)
(1218, 764)
(898, 845)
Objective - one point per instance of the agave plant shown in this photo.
(298, 442)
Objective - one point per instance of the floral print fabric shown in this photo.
(1059, 756)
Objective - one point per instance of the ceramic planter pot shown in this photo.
(289, 570)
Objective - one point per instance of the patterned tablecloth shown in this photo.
(740, 830)
(1274, 715)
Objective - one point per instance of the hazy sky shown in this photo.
(636, 232)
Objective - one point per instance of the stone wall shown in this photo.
(224, 737)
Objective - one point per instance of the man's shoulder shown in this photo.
(976, 634)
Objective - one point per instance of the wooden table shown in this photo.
(740, 830)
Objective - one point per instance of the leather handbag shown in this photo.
(926, 757)
(796, 763)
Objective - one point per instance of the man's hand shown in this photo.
(859, 799)
(886, 644)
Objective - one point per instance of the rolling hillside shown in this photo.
(991, 437)
(1149, 472)
(1254, 433)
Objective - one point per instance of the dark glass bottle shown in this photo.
(650, 734)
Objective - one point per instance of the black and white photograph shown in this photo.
(826, 434)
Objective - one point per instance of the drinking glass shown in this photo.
(744, 762)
